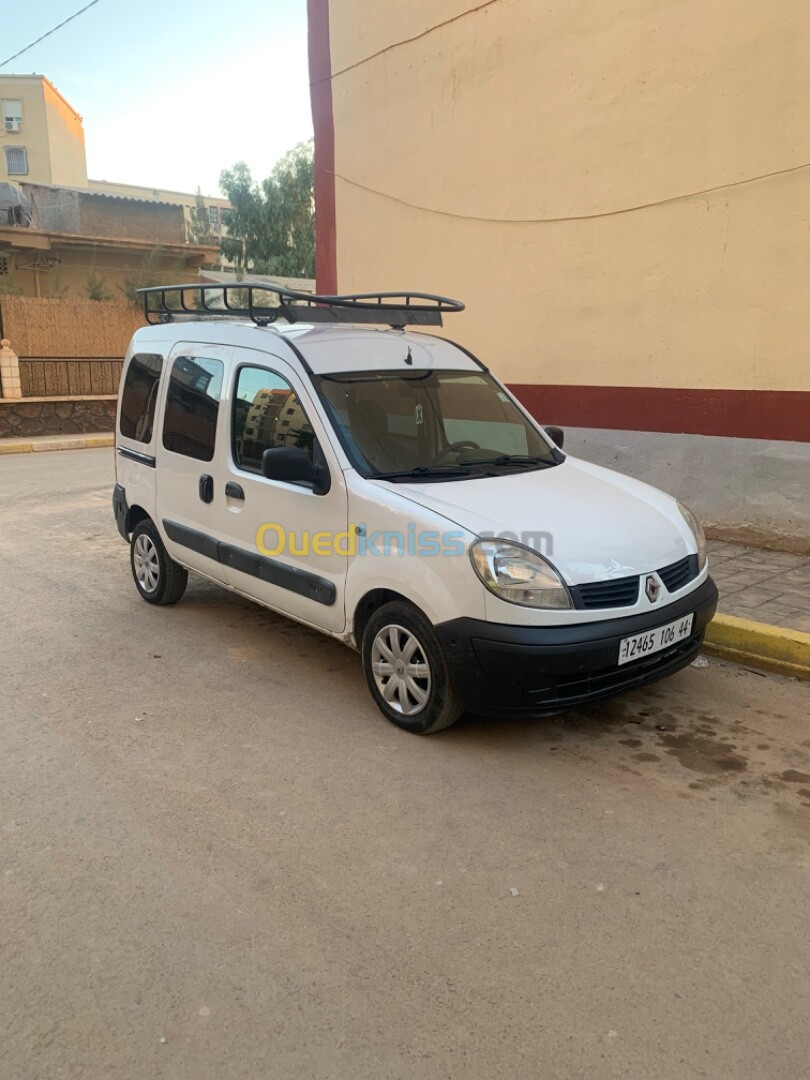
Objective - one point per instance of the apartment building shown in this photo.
(42, 136)
(43, 142)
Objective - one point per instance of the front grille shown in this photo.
(623, 592)
(680, 573)
(620, 592)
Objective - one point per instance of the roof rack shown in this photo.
(163, 303)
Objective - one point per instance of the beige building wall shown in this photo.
(66, 140)
(579, 162)
(67, 269)
(620, 195)
(51, 133)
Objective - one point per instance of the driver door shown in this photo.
(282, 543)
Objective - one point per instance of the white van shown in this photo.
(313, 454)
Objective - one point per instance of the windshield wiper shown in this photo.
(506, 459)
(421, 471)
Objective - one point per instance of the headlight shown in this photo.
(697, 531)
(518, 574)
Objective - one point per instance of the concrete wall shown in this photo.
(753, 490)
(620, 196)
(113, 217)
(184, 198)
(86, 213)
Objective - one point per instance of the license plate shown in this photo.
(652, 641)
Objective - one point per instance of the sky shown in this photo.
(173, 91)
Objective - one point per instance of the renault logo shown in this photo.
(652, 588)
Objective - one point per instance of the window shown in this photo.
(213, 215)
(138, 396)
(12, 114)
(16, 161)
(471, 410)
(266, 413)
(431, 420)
(192, 406)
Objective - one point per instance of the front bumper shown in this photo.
(536, 670)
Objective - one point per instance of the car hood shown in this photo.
(591, 523)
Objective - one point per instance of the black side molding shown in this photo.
(136, 455)
(274, 572)
(197, 541)
(302, 582)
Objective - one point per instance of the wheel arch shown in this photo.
(370, 602)
(135, 515)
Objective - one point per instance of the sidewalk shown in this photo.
(42, 443)
(766, 586)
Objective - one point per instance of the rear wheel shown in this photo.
(158, 578)
(406, 670)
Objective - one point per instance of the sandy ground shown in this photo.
(218, 861)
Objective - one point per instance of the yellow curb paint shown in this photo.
(73, 442)
(774, 648)
(16, 448)
(57, 444)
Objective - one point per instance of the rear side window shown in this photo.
(139, 395)
(192, 406)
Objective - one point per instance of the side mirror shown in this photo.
(556, 434)
(294, 466)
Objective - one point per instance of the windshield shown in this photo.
(432, 425)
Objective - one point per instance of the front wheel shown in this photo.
(406, 670)
(158, 578)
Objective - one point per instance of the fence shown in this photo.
(69, 378)
(68, 348)
(68, 329)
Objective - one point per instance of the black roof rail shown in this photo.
(162, 303)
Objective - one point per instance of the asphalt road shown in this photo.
(218, 861)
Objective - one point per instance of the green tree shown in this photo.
(271, 228)
(199, 226)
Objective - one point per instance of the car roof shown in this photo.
(326, 348)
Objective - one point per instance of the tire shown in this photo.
(406, 671)
(158, 578)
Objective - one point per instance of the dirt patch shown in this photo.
(702, 754)
(791, 776)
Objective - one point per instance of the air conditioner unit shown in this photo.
(12, 125)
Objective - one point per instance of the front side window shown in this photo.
(138, 396)
(16, 161)
(192, 407)
(266, 413)
(433, 424)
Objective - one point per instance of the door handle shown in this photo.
(206, 488)
(234, 491)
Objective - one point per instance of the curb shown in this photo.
(774, 648)
(72, 442)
